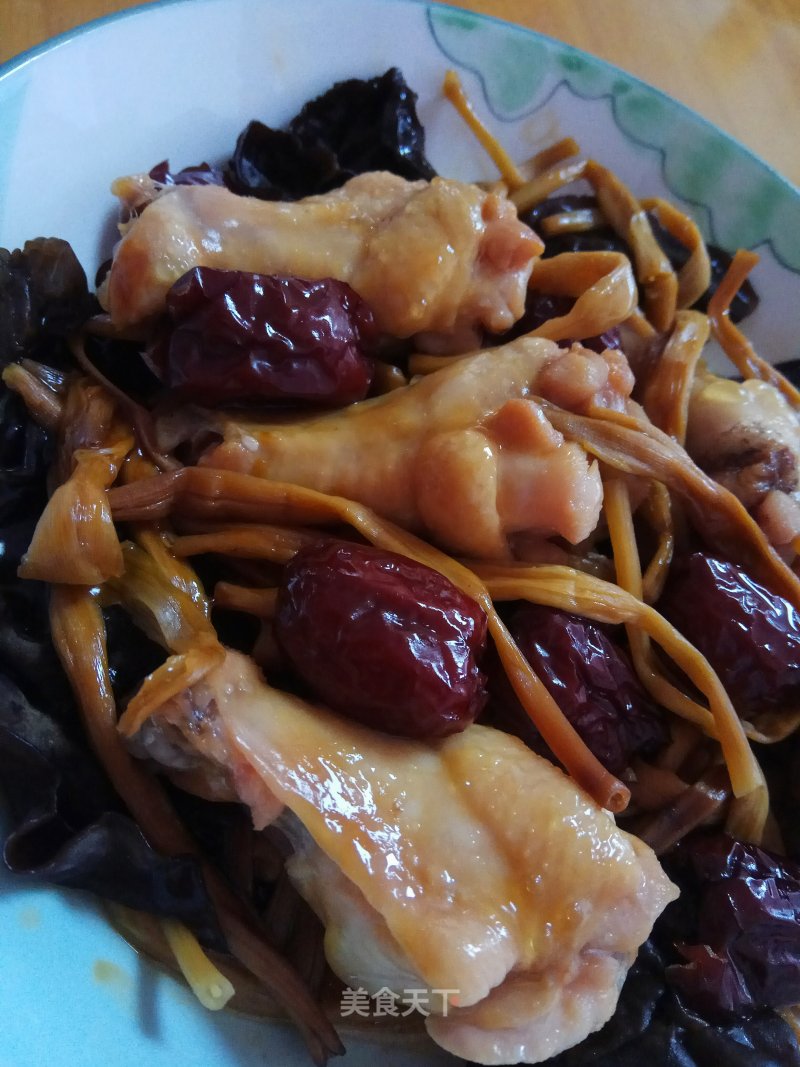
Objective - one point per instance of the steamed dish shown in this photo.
(404, 560)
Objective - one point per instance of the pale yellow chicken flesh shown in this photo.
(478, 866)
(465, 455)
(442, 257)
(746, 435)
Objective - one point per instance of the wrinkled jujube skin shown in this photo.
(747, 926)
(749, 635)
(382, 639)
(237, 337)
(592, 681)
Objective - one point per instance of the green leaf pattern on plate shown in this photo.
(700, 165)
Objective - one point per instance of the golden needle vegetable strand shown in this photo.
(570, 590)
(79, 637)
(731, 339)
(629, 578)
(502, 160)
(638, 447)
(207, 982)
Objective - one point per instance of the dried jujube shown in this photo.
(382, 639)
(237, 337)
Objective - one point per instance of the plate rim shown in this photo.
(23, 59)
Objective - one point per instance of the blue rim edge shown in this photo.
(21, 60)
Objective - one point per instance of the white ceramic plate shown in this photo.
(180, 79)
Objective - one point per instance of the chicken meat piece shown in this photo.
(532, 1015)
(465, 455)
(468, 864)
(746, 436)
(440, 257)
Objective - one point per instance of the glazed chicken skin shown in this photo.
(746, 435)
(465, 454)
(441, 257)
(469, 864)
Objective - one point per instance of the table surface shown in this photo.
(735, 61)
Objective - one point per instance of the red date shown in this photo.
(590, 678)
(750, 636)
(745, 951)
(382, 639)
(236, 337)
